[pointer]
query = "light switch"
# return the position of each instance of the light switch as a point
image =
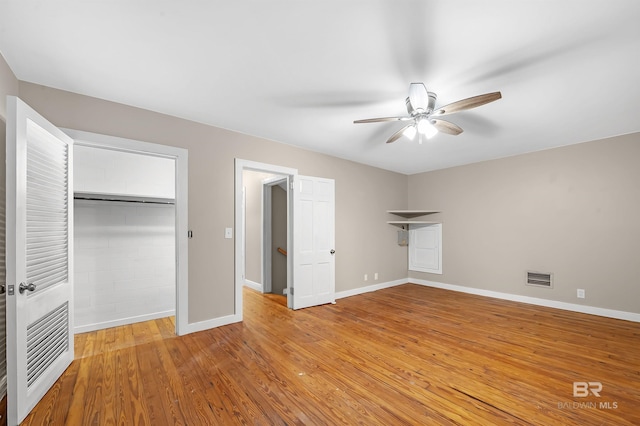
(228, 232)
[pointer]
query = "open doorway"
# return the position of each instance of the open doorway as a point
(124, 238)
(250, 261)
(265, 233)
(275, 193)
(147, 215)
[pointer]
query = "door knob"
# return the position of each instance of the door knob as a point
(2, 288)
(23, 287)
(332, 251)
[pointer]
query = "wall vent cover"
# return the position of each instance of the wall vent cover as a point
(540, 279)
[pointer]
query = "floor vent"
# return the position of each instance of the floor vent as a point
(539, 279)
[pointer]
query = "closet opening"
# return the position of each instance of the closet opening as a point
(130, 209)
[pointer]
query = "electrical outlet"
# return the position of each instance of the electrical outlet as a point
(581, 293)
(366, 277)
(375, 276)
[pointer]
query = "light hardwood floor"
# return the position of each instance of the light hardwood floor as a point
(403, 355)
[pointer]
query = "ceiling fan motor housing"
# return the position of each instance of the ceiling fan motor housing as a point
(430, 106)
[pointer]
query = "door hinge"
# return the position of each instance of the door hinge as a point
(292, 185)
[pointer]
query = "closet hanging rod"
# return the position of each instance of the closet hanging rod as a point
(122, 198)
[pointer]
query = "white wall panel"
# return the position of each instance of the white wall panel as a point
(425, 248)
(124, 263)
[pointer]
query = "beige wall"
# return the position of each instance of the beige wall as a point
(572, 211)
(8, 86)
(364, 242)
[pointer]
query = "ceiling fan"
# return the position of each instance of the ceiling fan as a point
(424, 116)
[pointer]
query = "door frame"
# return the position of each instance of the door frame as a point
(267, 231)
(180, 156)
(290, 174)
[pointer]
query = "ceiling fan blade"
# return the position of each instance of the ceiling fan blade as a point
(468, 103)
(418, 96)
(446, 127)
(381, 119)
(397, 135)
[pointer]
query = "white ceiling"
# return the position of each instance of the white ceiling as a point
(300, 71)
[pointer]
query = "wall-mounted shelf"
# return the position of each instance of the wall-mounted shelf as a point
(409, 214)
(412, 213)
(410, 222)
(403, 235)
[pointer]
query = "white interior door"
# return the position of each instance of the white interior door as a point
(314, 280)
(39, 248)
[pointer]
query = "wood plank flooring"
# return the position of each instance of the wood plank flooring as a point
(407, 355)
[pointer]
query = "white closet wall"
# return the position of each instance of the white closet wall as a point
(124, 251)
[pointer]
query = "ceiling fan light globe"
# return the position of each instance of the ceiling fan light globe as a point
(426, 128)
(410, 132)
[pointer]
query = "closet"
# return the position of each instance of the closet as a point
(124, 238)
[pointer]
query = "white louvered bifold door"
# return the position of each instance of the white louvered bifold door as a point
(39, 257)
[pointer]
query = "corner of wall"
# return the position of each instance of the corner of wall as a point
(8, 86)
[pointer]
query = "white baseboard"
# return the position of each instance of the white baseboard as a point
(122, 321)
(370, 288)
(593, 310)
(253, 285)
(212, 323)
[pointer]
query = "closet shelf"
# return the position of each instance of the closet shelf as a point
(102, 196)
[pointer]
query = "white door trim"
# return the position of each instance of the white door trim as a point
(240, 166)
(181, 157)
